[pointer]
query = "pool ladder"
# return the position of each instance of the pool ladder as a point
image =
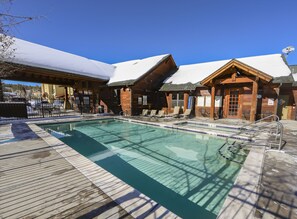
(231, 153)
(274, 129)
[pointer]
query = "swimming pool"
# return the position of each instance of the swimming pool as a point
(182, 171)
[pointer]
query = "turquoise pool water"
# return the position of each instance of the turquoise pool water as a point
(182, 171)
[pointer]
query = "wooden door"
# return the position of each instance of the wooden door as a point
(232, 103)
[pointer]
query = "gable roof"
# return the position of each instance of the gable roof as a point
(126, 73)
(35, 55)
(239, 65)
(272, 65)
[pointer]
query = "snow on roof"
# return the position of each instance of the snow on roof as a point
(132, 70)
(273, 65)
(294, 76)
(36, 55)
(195, 73)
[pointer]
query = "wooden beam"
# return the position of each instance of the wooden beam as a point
(233, 78)
(232, 81)
(212, 104)
(254, 101)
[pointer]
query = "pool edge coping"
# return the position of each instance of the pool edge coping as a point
(242, 199)
(94, 173)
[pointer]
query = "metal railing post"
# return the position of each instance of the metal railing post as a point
(42, 110)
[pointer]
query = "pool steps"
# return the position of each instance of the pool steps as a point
(175, 126)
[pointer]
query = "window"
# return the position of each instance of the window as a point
(117, 96)
(144, 100)
(177, 99)
(205, 101)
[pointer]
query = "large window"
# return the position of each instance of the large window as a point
(177, 99)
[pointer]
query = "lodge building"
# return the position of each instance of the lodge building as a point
(245, 88)
(242, 88)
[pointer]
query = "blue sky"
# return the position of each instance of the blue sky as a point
(192, 31)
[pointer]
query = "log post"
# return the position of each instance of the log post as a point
(212, 103)
(254, 100)
(186, 100)
(66, 100)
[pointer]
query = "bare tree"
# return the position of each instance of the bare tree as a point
(8, 21)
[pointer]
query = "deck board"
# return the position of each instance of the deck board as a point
(36, 181)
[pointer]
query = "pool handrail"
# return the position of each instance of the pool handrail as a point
(277, 122)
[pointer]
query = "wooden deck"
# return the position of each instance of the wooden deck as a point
(37, 182)
(40, 177)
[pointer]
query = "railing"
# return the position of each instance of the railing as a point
(277, 134)
(243, 129)
(13, 110)
(280, 130)
(21, 110)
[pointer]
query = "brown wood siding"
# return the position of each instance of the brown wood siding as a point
(287, 90)
(109, 101)
(268, 93)
(126, 95)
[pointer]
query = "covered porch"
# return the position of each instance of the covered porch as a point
(239, 91)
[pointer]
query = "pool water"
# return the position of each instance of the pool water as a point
(181, 171)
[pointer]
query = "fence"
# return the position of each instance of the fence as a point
(23, 110)
(13, 109)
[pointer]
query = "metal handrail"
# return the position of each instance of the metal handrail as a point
(272, 115)
(250, 124)
(242, 128)
(280, 130)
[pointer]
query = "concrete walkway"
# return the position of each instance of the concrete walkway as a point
(278, 190)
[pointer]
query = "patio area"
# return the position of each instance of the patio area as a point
(42, 177)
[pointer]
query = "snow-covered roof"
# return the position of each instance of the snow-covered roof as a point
(132, 70)
(295, 76)
(272, 65)
(195, 73)
(36, 55)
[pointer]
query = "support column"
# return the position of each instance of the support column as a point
(254, 101)
(1, 91)
(277, 90)
(169, 102)
(186, 100)
(66, 102)
(212, 103)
